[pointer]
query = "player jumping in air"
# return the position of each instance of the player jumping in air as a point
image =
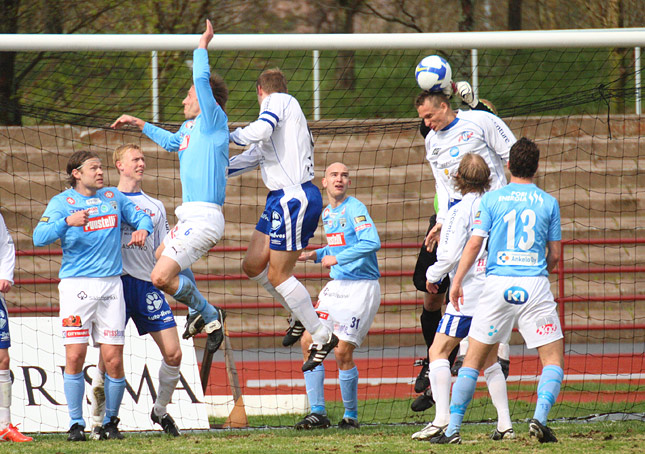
(202, 146)
(282, 145)
(349, 302)
(87, 219)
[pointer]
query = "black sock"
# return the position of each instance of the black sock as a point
(429, 323)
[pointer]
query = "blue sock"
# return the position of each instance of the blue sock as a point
(189, 274)
(548, 390)
(349, 390)
(114, 388)
(74, 385)
(314, 383)
(462, 393)
(188, 294)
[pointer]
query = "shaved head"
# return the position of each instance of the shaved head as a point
(336, 182)
(336, 167)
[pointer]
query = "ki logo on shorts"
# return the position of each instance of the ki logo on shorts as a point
(276, 220)
(516, 295)
(492, 331)
(153, 301)
(81, 295)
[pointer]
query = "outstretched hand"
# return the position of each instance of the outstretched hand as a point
(127, 120)
(207, 36)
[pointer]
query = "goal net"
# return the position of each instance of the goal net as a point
(579, 103)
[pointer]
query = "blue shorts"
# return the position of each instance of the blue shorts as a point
(5, 339)
(146, 305)
(291, 216)
(454, 325)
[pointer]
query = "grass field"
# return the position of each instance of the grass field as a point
(618, 437)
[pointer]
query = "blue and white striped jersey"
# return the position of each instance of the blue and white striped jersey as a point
(93, 250)
(201, 143)
(281, 144)
(519, 219)
(352, 238)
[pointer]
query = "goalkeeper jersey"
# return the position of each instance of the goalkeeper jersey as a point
(473, 131)
(139, 261)
(93, 250)
(352, 238)
(281, 144)
(201, 143)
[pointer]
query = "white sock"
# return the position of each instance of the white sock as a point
(463, 346)
(440, 381)
(263, 280)
(497, 389)
(168, 379)
(299, 301)
(97, 409)
(504, 351)
(5, 398)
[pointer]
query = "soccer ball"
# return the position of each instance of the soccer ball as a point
(433, 73)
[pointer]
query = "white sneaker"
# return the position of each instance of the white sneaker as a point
(428, 432)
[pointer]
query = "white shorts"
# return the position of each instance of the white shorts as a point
(526, 301)
(200, 226)
(92, 307)
(349, 308)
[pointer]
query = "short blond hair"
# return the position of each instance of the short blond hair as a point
(120, 151)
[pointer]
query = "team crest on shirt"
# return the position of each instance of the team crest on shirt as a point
(342, 222)
(71, 201)
(190, 124)
(109, 194)
(113, 204)
(466, 136)
(105, 208)
(276, 220)
(184, 143)
(326, 212)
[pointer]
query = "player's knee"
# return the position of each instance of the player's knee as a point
(344, 355)
(250, 268)
(4, 359)
(159, 279)
(433, 302)
(173, 358)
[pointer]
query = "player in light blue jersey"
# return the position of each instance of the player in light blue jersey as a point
(145, 305)
(522, 223)
(202, 146)
(281, 144)
(349, 302)
(87, 219)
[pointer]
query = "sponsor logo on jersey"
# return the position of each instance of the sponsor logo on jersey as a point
(93, 201)
(81, 295)
(71, 201)
(190, 124)
(92, 211)
(184, 143)
(362, 227)
(326, 213)
(359, 219)
(515, 196)
(501, 132)
(113, 204)
(105, 208)
(435, 152)
(478, 214)
(72, 320)
(109, 194)
(517, 258)
(516, 295)
(76, 333)
(480, 267)
(454, 151)
(323, 315)
(44, 219)
(465, 136)
(276, 220)
(336, 239)
(113, 332)
(536, 197)
(102, 222)
(546, 326)
(477, 222)
(342, 222)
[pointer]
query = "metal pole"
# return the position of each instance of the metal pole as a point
(155, 87)
(474, 63)
(637, 81)
(316, 76)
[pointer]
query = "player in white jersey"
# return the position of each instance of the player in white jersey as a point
(472, 180)
(451, 135)
(145, 304)
(349, 302)
(8, 432)
(522, 224)
(202, 146)
(282, 145)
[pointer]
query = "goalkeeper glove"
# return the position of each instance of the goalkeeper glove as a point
(466, 94)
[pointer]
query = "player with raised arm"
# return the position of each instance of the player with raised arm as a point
(472, 180)
(349, 302)
(87, 219)
(450, 135)
(202, 146)
(8, 432)
(522, 224)
(145, 304)
(282, 145)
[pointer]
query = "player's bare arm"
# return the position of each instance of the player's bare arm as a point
(128, 120)
(553, 255)
(432, 239)
(311, 255)
(207, 36)
(5, 285)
